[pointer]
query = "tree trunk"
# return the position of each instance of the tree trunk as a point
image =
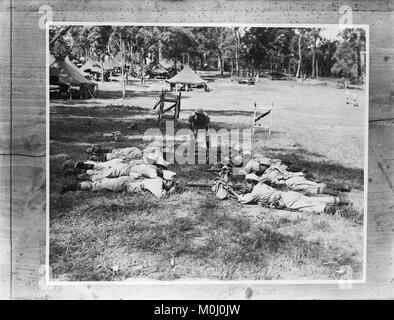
(142, 70)
(232, 68)
(313, 62)
(220, 60)
(236, 51)
(317, 68)
(357, 64)
(102, 69)
(122, 68)
(236, 61)
(299, 56)
(160, 51)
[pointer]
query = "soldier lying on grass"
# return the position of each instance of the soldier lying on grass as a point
(278, 176)
(133, 183)
(98, 153)
(101, 154)
(268, 196)
(149, 167)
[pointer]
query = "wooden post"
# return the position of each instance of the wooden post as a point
(272, 108)
(254, 117)
(161, 107)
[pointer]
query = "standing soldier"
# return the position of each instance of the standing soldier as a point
(199, 119)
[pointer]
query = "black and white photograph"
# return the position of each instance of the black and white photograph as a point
(203, 152)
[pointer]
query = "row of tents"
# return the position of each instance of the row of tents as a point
(68, 80)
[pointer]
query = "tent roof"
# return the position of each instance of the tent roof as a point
(110, 64)
(72, 64)
(68, 73)
(52, 59)
(91, 65)
(187, 75)
(158, 69)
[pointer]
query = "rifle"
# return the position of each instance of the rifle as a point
(207, 185)
(235, 171)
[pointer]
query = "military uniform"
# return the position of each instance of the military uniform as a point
(124, 166)
(132, 183)
(129, 184)
(126, 154)
(278, 175)
(267, 195)
(124, 169)
(198, 120)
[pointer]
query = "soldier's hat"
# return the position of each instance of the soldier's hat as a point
(200, 111)
(265, 161)
(168, 175)
(252, 176)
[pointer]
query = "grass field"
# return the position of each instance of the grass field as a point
(192, 235)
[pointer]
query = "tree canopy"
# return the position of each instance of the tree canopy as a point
(293, 51)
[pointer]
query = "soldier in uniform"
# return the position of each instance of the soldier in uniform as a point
(268, 196)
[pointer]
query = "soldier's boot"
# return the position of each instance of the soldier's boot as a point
(80, 166)
(83, 177)
(344, 201)
(330, 209)
(344, 187)
(330, 191)
(101, 150)
(70, 187)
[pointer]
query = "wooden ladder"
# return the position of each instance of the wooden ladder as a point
(170, 112)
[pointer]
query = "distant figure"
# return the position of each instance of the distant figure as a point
(351, 98)
(199, 119)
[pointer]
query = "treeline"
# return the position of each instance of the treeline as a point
(303, 52)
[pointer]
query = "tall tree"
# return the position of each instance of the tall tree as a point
(350, 55)
(313, 39)
(179, 44)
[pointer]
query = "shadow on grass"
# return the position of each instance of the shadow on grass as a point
(107, 111)
(131, 94)
(55, 102)
(321, 170)
(230, 113)
(91, 130)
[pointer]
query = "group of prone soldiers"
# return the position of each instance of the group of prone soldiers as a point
(271, 183)
(127, 169)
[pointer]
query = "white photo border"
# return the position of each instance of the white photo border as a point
(363, 280)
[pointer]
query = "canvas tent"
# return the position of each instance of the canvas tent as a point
(91, 66)
(67, 75)
(157, 70)
(188, 77)
(110, 64)
(84, 74)
(52, 59)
